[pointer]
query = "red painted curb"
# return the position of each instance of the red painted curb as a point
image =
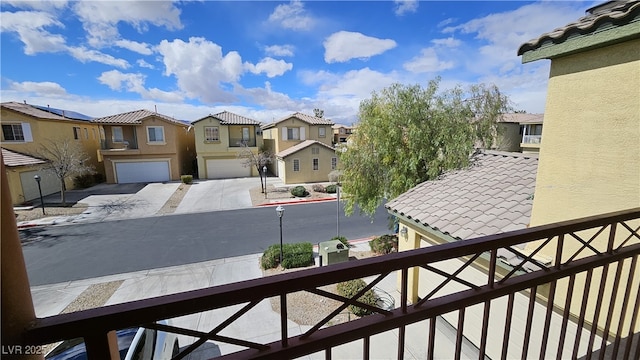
(296, 202)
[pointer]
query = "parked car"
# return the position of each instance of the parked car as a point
(133, 343)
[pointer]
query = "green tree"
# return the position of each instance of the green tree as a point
(66, 158)
(409, 134)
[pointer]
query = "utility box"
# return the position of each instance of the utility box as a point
(333, 252)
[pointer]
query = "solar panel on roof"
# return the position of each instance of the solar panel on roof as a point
(65, 113)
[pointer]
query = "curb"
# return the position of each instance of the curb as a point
(287, 202)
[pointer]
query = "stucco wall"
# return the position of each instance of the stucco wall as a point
(306, 173)
(590, 161)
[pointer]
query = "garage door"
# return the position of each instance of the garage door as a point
(48, 182)
(232, 168)
(143, 171)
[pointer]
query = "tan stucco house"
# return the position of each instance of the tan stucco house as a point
(303, 148)
(341, 133)
(219, 140)
(26, 128)
(520, 132)
(145, 146)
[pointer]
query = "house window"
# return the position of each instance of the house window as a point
(76, 133)
(116, 133)
(245, 134)
(315, 150)
(334, 163)
(296, 165)
(211, 133)
(95, 135)
(86, 134)
(293, 134)
(155, 134)
(341, 130)
(12, 132)
(316, 164)
(322, 131)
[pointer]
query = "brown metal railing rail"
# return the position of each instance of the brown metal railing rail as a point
(95, 324)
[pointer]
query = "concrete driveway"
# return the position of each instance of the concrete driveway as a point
(214, 195)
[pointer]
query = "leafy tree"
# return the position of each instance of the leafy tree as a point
(66, 159)
(410, 134)
(259, 160)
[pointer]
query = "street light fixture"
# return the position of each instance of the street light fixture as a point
(280, 211)
(264, 171)
(38, 179)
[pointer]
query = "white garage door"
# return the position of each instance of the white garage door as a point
(221, 169)
(48, 182)
(143, 171)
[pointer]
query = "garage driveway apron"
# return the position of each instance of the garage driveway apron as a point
(214, 195)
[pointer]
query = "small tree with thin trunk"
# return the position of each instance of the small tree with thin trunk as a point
(65, 159)
(259, 160)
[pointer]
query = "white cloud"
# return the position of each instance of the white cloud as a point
(144, 64)
(270, 66)
(343, 46)
(427, 62)
(45, 88)
(292, 16)
(279, 50)
(268, 98)
(30, 27)
(130, 82)
(450, 42)
(140, 48)
(200, 68)
(37, 5)
(446, 22)
(405, 6)
(100, 18)
(84, 55)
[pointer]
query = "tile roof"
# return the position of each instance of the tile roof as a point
(13, 158)
(493, 195)
(302, 145)
(135, 118)
(519, 118)
(33, 111)
(598, 17)
(229, 118)
(313, 120)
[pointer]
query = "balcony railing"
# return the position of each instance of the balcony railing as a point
(237, 142)
(531, 139)
(581, 303)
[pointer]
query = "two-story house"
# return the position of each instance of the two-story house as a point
(25, 129)
(341, 133)
(145, 146)
(219, 140)
(519, 132)
(303, 148)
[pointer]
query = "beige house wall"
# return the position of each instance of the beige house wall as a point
(311, 133)
(590, 161)
(306, 173)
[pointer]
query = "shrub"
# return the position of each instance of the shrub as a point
(350, 288)
(384, 244)
(299, 191)
(342, 240)
(187, 179)
(318, 188)
(84, 181)
(331, 189)
(293, 256)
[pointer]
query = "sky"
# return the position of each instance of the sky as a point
(266, 59)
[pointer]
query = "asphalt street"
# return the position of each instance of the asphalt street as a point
(57, 254)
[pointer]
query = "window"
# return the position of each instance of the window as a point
(315, 150)
(293, 134)
(296, 165)
(245, 134)
(322, 131)
(316, 164)
(334, 163)
(86, 134)
(211, 133)
(155, 134)
(341, 130)
(116, 133)
(76, 133)
(12, 132)
(95, 135)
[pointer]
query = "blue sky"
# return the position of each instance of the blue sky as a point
(265, 59)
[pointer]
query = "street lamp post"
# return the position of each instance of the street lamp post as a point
(264, 172)
(280, 211)
(37, 178)
(337, 210)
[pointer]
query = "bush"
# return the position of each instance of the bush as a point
(293, 256)
(318, 188)
(342, 240)
(331, 189)
(187, 179)
(299, 191)
(85, 181)
(350, 288)
(384, 244)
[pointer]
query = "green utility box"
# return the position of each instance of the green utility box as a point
(333, 252)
